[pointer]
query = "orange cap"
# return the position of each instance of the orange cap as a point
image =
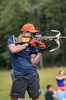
(29, 27)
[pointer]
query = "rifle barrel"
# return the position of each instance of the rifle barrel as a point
(63, 37)
(26, 39)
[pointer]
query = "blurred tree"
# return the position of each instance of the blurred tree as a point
(52, 16)
(44, 14)
(34, 18)
(13, 16)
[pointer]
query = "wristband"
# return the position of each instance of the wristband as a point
(41, 50)
(27, 44)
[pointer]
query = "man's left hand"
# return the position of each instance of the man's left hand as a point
(42, 46)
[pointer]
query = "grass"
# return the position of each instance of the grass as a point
(47, 76)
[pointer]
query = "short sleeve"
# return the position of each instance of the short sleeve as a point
(51, 93)
(34, 50)
(10, 41)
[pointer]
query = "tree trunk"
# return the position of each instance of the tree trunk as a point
(38, 21)
(41, 62)
(63, 59)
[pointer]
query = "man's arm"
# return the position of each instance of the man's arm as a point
(35, 59)
(14, 49)
(54, 94)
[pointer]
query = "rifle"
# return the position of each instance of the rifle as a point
(41, 38)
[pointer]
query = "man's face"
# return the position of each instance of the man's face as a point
(51, 88)
(28, 34)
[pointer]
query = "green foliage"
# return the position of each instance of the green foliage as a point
(44, 14)
(13, 16)
(52, 16)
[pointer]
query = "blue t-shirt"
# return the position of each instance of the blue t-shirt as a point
(60, 83)
(21, 63)
(61, 95)
(48, 95)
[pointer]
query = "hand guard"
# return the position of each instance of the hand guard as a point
(30, 44)
(41, 47)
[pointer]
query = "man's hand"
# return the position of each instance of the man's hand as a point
(54, 91)
(30, 44)
(41, 47)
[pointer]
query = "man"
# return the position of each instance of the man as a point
(50, 94)
(24, 63)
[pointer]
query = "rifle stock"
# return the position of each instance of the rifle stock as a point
(27, 39)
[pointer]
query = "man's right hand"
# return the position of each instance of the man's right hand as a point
(30, 44)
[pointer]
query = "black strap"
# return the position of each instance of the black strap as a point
(50, 44)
